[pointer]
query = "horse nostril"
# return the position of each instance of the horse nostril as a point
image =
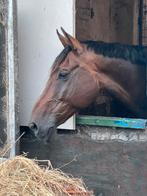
(33, 126)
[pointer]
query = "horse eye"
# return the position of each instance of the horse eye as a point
(63, 75)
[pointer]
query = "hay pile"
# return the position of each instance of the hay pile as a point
(24, 177)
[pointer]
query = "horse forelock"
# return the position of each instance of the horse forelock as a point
(60, 58)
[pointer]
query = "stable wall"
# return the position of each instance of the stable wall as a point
(112, 162)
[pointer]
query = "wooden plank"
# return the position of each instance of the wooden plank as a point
(110, 21)
(112, 122)
(3, 76)
(135, 22)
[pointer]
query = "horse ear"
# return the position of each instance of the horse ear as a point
(64, 40)
(74, 43)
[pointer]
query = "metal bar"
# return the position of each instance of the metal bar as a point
(11, 80)
(112, 122)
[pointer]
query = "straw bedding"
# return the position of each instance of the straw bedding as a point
(24, 177)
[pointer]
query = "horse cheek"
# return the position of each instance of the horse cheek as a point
(85, 96)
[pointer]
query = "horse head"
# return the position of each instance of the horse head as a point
(72, 85)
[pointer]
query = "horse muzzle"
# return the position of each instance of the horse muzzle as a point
(43, 134)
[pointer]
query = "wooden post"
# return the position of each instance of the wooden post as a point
(8, 77)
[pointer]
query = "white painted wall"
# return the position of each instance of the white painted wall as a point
(38, 46)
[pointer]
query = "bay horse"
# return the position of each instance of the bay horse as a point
(81, 73)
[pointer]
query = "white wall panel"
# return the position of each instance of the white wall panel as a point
(38, 46)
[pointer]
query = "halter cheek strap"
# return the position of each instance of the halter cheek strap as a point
(68, 103)
(64, 101)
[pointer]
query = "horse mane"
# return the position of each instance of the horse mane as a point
(133, 53)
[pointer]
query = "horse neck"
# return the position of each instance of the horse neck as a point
(112, 74)
(115, 70)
